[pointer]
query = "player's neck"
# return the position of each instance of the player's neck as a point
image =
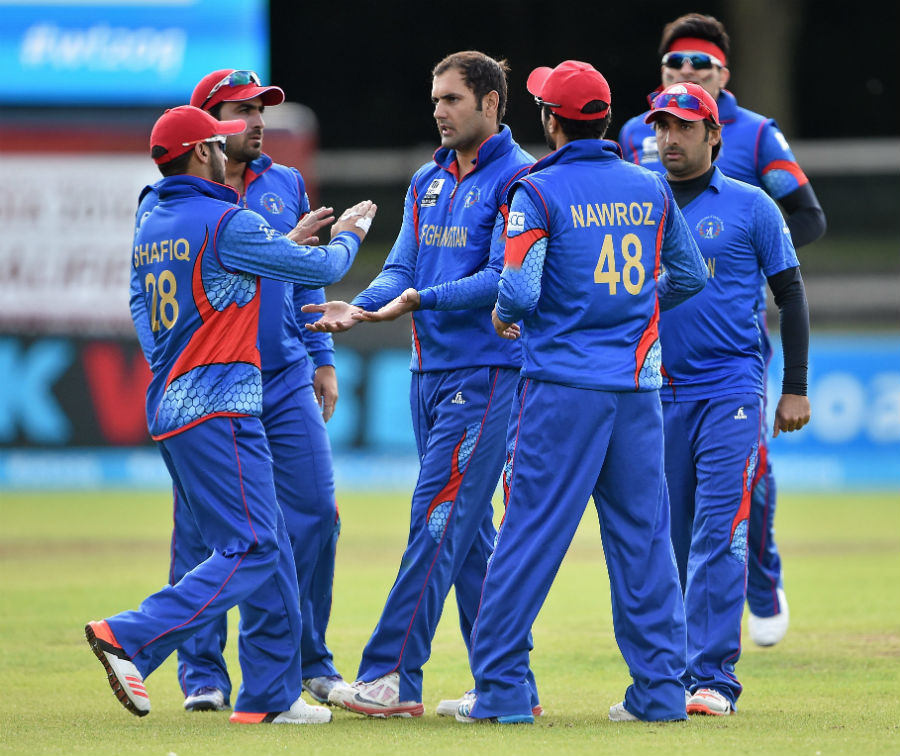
(234, 175)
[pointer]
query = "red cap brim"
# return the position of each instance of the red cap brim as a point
(227, 128)
(270, 95)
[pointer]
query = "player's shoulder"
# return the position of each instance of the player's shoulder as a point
(635, 123)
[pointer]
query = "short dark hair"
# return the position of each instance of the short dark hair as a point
(482, 74)
(593, 129)
(695, 25)
(176, 166)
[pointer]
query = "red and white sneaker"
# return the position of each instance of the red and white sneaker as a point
(124, 678)
(379, 698)
(299, 713)
(708, 701)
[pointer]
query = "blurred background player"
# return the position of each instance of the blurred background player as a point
(299, 393)
(712, 396)
(444, 269)
(197, 258)
(587, 418)
(695, 48)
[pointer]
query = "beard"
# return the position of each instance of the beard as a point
(217, 169)
(551, 142)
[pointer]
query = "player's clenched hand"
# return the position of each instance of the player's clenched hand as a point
(791, 414)
(504, 330)
(336, 316)
(325, 386)
(357, 219)
(408, 301)
(306, 231)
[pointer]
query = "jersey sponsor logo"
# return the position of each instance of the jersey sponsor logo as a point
(272, 203)
(516, 223)
(649, 150)
(458, 399)
(710, 227)
(434, 191)
(741, 415)
(612, 214)
(444, 236)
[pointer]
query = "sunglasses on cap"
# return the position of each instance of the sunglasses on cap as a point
(216, 139)
(235, 79)
(700, 61)
(541, 103)
(683, 101)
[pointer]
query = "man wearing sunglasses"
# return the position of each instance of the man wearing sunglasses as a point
(695, 48)
(712, 395)
(586, 238)
(197, 262)
(299, 390)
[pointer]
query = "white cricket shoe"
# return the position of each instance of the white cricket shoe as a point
(206, 699)
(619, 713)
(708, 701)
(378, 698)
(124, 678)
(320, 687)
(767, 631)
(448, 707)
(299, 713)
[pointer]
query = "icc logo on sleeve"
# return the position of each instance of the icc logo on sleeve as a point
(516, 223)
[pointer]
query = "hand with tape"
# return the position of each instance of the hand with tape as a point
(356, 219)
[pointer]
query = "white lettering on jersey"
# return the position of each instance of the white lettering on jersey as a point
(516, 223)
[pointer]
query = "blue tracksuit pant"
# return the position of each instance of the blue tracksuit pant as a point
(304, 485)
(712, 449)
(569, 444)
(460, 419)
(223, 473)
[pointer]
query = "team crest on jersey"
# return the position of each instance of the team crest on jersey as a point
(710, 227)
(434, 191)
(649, 150)
(472, 196)
(272, 202)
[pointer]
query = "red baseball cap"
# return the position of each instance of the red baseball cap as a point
(233, 85)
(567, 88)
(178, 129)
(687, 101)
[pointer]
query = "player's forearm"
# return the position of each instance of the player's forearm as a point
(471, 292)
(805, 217)
(793, 311)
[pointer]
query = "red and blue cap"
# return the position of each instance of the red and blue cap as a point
(233, 85)
(685, 100)
(567, 88)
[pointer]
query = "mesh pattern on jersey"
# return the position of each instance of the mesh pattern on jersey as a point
(738, 546)
(235, 388)
(468, 444)
(778, 182)
(752, 461)
(650, 376)
(222, 288)
(438, 520)
(533, 267)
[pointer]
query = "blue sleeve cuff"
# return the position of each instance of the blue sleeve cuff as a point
(427, 299)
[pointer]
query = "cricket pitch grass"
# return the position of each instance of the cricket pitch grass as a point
(831, 687)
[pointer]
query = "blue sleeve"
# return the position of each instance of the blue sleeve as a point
(399, 271)
(526, 249)
(301, 194)
(249, 243)
(137, 303)
(776, 167)
(771, 237)
(629, 152)
(319, 345)
(685, 270)
(477, 290)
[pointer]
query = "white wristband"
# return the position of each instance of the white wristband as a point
(364, 224)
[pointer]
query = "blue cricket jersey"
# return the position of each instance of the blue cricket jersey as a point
(713, 344)
(196, 264)
(587, 234)
(450, 248)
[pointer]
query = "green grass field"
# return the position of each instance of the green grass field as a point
(831, 687)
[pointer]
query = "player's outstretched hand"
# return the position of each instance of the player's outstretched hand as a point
(307, 229)
(407, 302)
(504, 330)
(357, 219)
(336, 316)
(791, 414)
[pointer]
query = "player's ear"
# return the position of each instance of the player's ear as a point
(490, 103)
